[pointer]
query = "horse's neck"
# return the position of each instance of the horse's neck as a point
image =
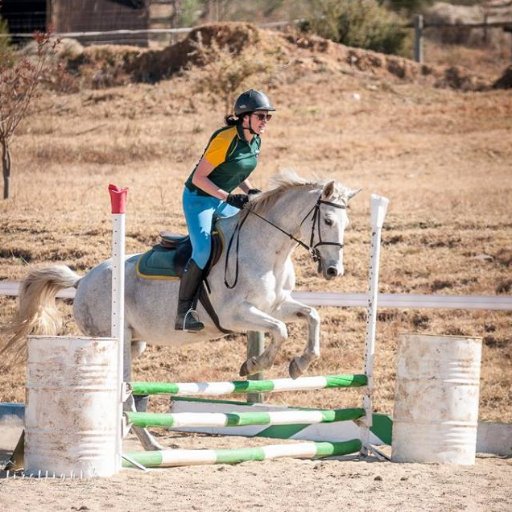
(291, 210)
(265, 240)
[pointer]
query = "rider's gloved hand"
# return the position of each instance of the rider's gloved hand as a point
(252, 191)
(237, 200)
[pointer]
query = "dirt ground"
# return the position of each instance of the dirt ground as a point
(275, 486)
(441, 153)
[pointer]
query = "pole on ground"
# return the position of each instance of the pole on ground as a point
(118, 203)
(379, 207)
(255, 347)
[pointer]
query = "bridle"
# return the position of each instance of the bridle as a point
(312, 249)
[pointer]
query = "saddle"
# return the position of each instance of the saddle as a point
(167, 260)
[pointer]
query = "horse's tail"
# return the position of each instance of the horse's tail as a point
(37, 312)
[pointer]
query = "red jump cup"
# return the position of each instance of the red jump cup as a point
(118, 198)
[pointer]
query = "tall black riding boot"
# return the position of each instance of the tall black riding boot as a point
(186, 317)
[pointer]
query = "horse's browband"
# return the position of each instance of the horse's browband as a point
(336, 205)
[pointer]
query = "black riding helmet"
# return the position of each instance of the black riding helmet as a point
(251, 101)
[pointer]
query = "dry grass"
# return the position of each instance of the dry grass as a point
(442, 157)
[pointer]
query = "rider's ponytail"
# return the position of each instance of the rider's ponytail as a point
(232, 120)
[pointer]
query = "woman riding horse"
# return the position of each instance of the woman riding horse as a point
(229, 158)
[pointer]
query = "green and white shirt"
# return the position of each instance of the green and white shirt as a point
(233, 157)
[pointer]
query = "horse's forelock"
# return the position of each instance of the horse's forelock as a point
(341, 194)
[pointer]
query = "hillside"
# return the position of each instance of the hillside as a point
(289, 53)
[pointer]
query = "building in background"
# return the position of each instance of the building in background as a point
(78, 16)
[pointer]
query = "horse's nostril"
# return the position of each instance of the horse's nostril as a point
(331, 271)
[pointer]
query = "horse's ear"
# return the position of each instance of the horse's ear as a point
(328, 190)
(353, 193)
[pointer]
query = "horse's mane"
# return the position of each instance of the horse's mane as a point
(281, 183)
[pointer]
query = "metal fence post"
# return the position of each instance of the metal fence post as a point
(418, 38)
(255, 347)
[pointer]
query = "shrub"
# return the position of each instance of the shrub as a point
(223, 72)
(358, 23)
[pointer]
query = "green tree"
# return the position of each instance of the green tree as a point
(358, 23)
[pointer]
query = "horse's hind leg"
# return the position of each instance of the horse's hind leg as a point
(256, 320)
(141, 401)
(132, 403)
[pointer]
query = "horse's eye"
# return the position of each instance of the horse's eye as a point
(328, 222)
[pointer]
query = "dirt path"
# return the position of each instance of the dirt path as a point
(281, 485)
(278, 485)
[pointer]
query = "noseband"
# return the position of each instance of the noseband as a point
(315, 253)
(312, 249)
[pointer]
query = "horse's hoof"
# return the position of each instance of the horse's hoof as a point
(248, 367)
(294, 369)
(243, 370)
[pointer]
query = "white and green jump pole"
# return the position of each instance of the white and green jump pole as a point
(179, 457)
(237, 419)
(246, 386)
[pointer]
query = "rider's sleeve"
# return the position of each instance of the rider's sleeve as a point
(218, 147)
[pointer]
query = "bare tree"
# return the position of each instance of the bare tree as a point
(177, 13)
(19, 79)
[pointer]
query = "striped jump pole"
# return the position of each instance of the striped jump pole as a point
(179, 457)
(243, 386)
(197, 419)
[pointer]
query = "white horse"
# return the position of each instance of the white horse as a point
(250, 290)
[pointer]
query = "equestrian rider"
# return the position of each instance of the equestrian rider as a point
(229, 158)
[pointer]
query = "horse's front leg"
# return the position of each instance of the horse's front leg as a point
(256, 320)
(290, 311)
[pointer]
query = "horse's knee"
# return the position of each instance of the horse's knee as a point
(314, 315)
(279, 332)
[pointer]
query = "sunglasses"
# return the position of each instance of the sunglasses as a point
(263, 117)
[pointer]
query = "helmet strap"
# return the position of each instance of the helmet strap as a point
(250, 125)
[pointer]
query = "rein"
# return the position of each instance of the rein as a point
(312, 249)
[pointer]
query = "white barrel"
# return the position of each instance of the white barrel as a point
(71, 417)
(435, 415)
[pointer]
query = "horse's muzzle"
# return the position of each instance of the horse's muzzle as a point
(333, 271)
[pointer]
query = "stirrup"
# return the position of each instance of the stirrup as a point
(193, 315)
